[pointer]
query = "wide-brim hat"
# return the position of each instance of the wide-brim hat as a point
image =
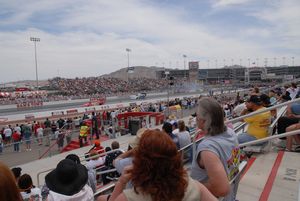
(135, 142)
(68, 178)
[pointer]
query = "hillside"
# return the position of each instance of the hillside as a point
(139, 71)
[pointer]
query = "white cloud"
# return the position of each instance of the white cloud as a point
(284, 18)
(224, 3)
(93, 36)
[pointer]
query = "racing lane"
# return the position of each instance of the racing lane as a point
(14, 111)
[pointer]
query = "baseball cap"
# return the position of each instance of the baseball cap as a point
(254, 99)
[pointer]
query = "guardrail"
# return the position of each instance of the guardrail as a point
(262, 111)
(259, 141)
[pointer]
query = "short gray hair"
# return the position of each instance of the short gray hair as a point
(212, 112)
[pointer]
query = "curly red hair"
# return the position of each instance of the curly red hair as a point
(158, 169)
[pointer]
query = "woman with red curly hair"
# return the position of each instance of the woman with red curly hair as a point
(157, 174)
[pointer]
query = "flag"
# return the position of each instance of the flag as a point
(128, 50)
(253, 63)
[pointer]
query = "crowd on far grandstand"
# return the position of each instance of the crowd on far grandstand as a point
(107, 86)
(83, 88)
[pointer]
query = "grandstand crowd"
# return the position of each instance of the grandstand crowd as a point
(153, 168)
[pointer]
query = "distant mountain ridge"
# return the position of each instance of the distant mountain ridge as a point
(138, 71)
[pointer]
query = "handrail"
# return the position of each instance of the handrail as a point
(286, 134)
(39, 173)
(262, 111)
(105, 188)
(278, 116)
(106, 171)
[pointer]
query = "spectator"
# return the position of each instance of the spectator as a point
(291, 118)
(293, 90)
(7, 133)
(97, 147)
(183, 135)
(27, 136)
(47, 133)
(83, 134)
(165, 180)
(47, 123)
(28, 190)
(292, 138)
(110, 157)
(60, 140)
(273, 98)
(91, 172)
(16, 141)
(216, 159)
(125, 159)
(8, 187)
(17, 173)
(257, 124)
(68, 181)
(40, 133)
(95, 161)
(168, 128)
(95, 129)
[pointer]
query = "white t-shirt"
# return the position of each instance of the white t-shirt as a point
(293, 92)
(7, 132)
(184, 138)
(91, 164)
(239, 109)
(18, 129)
(40, 131)
(34, 195)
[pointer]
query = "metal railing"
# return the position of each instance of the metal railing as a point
(263, 110)
(259, 141)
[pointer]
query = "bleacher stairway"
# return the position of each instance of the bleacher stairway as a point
(74, 144)
(271, 176)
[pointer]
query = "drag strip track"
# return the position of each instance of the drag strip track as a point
(78, 104)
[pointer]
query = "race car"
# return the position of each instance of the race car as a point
(139, 96)
(94, 102)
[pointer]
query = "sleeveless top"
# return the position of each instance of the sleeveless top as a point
(191, 194)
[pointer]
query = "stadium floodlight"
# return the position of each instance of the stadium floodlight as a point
(35, 40)
(283, 60)
(128, 50)
(184, 61)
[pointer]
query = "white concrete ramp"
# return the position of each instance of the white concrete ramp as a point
(286, 184)
(272, 176)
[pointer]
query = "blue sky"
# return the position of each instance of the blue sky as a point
(88, 37)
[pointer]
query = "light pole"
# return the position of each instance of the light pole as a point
(128, 50)
(36, 70)
(266, 62)
(274, 61)
(167, 73)
(293, 61)
(283, 60)
(184, 61)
